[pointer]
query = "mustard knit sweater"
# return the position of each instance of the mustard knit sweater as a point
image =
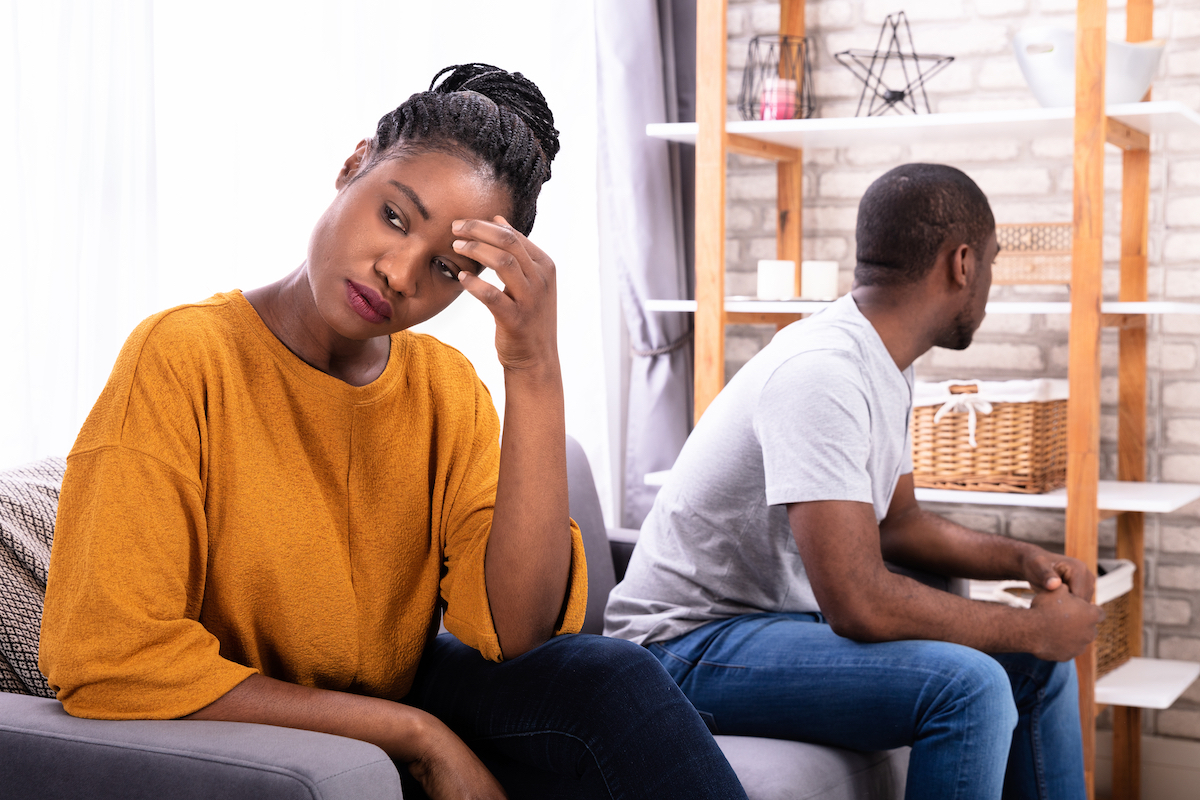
(228, 509)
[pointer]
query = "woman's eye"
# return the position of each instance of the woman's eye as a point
(393, 218)
(445, 269)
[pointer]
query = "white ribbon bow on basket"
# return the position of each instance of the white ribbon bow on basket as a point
(964, 398)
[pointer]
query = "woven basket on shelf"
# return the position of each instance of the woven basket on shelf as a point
(1020, 447)
(1112, 635)
(1033, 253)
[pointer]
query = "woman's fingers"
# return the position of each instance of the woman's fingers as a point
(481, 290)
(497, 245)
(507, 265)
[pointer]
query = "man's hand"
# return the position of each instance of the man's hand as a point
(1069, 623)
(1046, 571)
(843, 549)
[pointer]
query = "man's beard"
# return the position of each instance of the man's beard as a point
(958, 334)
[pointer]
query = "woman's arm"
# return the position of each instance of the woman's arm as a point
(528, 560)
(443, 764)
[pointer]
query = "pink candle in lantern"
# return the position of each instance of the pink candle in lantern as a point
(778, 98)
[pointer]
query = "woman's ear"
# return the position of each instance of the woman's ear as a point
(353, 165)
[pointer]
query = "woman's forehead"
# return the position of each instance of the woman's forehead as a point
(442, 184)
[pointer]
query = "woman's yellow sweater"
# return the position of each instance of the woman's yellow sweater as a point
(228, 509)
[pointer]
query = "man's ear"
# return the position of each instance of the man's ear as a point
(353, 165)
(963, 265)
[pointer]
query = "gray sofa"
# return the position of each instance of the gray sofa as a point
(47, 754)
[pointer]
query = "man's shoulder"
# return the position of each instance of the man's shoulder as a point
(827, 357)
(838, 329)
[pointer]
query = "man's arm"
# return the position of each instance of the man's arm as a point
(913, 537)
(840, 544)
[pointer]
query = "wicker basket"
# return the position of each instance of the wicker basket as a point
(1020, 447)
(1033, 253)
(1113, 594)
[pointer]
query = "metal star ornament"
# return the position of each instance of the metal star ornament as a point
(870, 66)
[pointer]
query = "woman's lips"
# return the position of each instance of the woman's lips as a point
(367, 303)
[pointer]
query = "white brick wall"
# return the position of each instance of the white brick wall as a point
(1027, 181)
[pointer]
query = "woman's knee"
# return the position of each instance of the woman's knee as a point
(600, 660)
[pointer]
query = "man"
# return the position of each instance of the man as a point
(760, 579)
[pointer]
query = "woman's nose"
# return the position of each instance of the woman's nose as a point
(401, 276)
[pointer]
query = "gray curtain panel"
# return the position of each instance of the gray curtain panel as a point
(642, 222)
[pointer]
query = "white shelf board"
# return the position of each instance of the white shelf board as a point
(744, 304)
(670, 305)
(1155, 117)
(1150, 498)
(753, 306)
(1146, 683)
(656, 478)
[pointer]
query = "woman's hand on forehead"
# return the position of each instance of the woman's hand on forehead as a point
(526, 308)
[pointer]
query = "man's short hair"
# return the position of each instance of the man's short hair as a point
(909, 213)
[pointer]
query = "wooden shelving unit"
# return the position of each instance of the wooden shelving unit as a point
(1091, 124)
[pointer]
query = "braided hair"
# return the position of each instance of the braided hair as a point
(487, 116)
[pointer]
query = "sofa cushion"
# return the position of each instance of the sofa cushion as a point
(775, 769)
(28, 505)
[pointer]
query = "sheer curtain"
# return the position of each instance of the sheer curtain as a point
(157, 152)
(77, 208)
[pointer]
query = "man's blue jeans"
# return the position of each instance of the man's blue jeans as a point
(980, 726)
(579, 717)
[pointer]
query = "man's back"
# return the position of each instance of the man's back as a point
(820, 414)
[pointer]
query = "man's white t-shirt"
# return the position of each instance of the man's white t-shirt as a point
(821, 413)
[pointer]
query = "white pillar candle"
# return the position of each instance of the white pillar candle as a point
(819, 280)
(776, 280)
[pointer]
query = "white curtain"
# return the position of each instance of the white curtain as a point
(157, 152)
(77, 208)
(642, 241)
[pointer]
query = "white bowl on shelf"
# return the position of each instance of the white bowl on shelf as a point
(1047, 59)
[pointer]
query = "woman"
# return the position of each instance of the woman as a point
(278, 492)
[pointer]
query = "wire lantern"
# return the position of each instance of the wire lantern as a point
(777, 83)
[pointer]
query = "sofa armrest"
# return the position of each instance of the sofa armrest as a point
(621, 542)
(47, 754)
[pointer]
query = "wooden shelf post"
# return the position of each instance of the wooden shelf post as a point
(790, 174)
(1131, 426)
(1087, 263)
(710, 202)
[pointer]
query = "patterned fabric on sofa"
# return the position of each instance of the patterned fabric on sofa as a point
(28, 503)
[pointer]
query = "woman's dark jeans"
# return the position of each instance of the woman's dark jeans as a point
(579, 717)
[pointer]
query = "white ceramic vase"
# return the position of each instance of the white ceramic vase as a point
(1047, 60)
